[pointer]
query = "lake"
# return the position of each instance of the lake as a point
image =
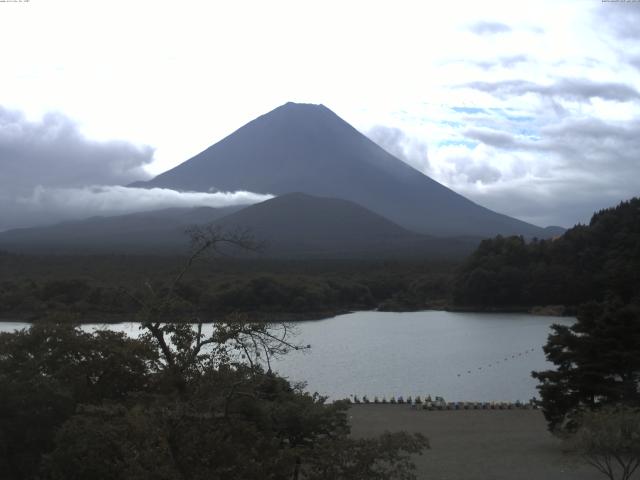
(460, 356)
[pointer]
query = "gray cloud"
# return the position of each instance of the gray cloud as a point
(633, 60)
(578, 89)
(546, 170)
(577, 166)
(407, 148)
(492, 137)
(563, 203)
(620, 18)
(620, 22)
(50, 172)
(53, 152)
(473, 172)
(503, 62)
(581, 142)
(489, 28)
(606, 149)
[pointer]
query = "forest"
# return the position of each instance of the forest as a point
(588, 263)
(92, 287)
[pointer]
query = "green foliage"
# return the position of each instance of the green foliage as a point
(81, 405)
(586, 263)
(294, 294)
(597, 364)
(257, 435)
(47, 371)
(388, 456)
(90, 288)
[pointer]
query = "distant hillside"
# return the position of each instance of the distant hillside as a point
(292, 226)
(300, 225)
(588, 262)
(309, 149)
(159, 231)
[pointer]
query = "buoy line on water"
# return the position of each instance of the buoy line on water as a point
(513, 356)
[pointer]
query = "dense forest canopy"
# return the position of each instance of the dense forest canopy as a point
(597, 364)
(37, 287)
(588, 262)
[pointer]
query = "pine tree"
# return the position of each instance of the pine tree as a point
(597, 363)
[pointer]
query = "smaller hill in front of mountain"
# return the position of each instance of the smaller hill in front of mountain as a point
(159, 231)
(301, 225)
(293, 225)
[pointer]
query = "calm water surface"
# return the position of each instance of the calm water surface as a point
(460, 356)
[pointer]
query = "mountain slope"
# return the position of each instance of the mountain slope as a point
(308, 148)
(300, 225)
(293, 226)
(152, 232)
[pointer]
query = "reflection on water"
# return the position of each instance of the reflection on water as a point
(460, 356)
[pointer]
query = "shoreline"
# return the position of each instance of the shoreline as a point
(293, 317)
(268, 317)
(109, 318)
(543, 310)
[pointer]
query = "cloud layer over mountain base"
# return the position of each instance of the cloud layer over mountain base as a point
(46, 205)
(51, 172)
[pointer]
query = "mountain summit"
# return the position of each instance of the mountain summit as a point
(308, 148)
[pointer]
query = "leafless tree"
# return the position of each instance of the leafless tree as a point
(609, 440)
(185, 348)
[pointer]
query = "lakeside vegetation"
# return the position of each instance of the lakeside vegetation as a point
(91, 287)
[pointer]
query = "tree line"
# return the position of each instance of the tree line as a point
(216, 288)
(587, 263)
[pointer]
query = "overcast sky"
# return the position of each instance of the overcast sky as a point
(529, 108)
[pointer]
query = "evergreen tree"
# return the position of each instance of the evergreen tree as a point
(597, 363)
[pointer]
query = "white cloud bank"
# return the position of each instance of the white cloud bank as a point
(50, 204)
(111, 200)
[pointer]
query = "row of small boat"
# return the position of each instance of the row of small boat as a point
(438, 403)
